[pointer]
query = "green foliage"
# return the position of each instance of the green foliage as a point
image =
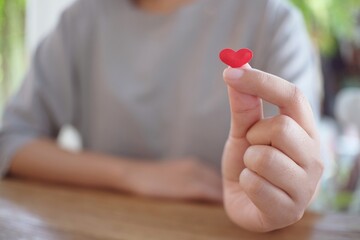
(330, 21)
(342, 200)
(12, 49)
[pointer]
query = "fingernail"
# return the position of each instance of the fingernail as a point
(233, 73)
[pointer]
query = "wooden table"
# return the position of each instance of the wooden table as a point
(40, 211)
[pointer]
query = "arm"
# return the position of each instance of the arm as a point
(183, 178)
(48, 99)
(43, 160)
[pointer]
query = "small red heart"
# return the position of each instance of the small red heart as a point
(236, 59)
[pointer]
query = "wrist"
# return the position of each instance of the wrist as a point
(137, 176)
(118, 174)
(110, 172)
(126, 174)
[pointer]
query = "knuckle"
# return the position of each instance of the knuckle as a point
(319, 166)
(296, 214)
(269, 156)
(281, 126)
(316, 166)
(306, 192)
(253, 185)
(263, 159)
(256, 187)
(311, 191)
(297, 96)
(251, 157)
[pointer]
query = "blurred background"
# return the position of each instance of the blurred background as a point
(334, 27)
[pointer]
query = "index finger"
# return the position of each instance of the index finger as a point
(287, 96)
(246, 109)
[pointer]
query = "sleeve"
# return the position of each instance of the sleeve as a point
(289, 52)
(45, 99)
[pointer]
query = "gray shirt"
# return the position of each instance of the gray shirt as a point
(146, 85)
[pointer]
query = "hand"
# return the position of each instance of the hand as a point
(186, 179)
(271, 167)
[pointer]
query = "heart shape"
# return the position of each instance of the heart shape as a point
(236, 59)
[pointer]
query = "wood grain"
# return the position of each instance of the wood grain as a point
(31, 210)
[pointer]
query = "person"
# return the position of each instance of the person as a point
(141, 81)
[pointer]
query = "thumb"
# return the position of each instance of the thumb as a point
(246, 110)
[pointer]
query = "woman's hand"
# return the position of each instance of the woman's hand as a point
(186, 179)
(271, 167)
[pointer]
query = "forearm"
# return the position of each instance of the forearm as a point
(43, 160)
(183, 178)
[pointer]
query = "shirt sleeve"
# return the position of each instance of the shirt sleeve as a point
(45, 99)
(289, 52)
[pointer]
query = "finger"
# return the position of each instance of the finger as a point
(283, 133)
(277, 168)
(285, 95)
(271, 201)
(246, 110)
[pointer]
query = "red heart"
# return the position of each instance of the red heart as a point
(236, 59)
